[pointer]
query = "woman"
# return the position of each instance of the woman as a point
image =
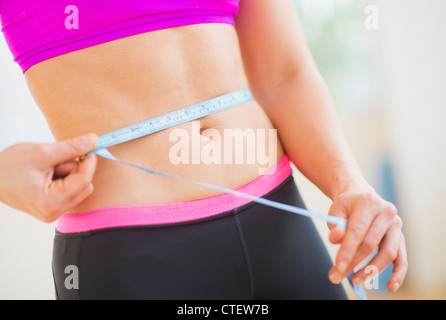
(96, 68)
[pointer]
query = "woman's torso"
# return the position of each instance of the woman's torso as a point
(126, 81)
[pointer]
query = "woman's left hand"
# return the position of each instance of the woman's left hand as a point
(371, 222)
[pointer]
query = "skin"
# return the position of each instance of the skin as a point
(106, 87)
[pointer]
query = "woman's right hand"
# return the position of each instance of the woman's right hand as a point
(45, 180)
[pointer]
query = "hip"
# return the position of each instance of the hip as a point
(249, 251)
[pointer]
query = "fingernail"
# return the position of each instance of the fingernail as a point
(335, 277)
(396, 285)
(89, 140)
(342, 266)
(357, 281)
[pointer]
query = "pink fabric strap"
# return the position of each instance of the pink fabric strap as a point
(39, 30)
(152, 214)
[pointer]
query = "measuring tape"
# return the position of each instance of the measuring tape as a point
(174, 118)
(187, 114)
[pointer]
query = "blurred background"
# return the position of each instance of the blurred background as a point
(384, 62)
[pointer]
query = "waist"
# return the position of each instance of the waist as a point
(116, 84)
(228, 148)
(176, 212)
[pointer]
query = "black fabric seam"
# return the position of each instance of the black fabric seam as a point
(245, 253)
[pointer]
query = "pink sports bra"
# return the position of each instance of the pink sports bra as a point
(39, 30)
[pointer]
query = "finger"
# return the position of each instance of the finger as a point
(67, 188)
(387, 253)
(69, 149)
(77, 198)
(62, 170)
(400, 267)
(62, 205)
(375, 234)
(84, 172)
(358, 225)
(336, 231)
(336, 235)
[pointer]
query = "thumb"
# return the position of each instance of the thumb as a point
(337, 232)
(70, 149)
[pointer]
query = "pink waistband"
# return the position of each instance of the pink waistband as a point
(152, 214)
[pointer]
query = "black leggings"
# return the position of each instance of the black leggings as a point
(250, 252)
